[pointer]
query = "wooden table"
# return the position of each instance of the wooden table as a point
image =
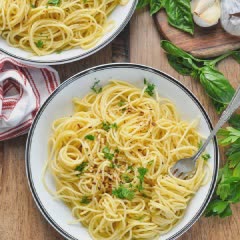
(138, 43)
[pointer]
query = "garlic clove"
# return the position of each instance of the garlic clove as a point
(200, 6)
(209, 17)
(230, 17)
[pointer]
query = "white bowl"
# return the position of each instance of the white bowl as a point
(121, 16)
(59, 104)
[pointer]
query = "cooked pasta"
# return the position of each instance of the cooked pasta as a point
(111, 162)
(47, 26)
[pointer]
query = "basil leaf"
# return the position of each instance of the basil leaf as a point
(236, 56)
(216, 85)
(179, 14)
(181, 65)
(155, 6)
(174, 50)
(235, 121)
(142, 3)
(219, 106)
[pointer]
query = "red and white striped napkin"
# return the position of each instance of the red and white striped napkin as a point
(23, 89)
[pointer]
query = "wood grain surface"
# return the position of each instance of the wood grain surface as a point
(206, 42)
(139, 43)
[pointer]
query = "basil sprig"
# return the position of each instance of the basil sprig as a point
(221, 92)
(214, 83)
(178, 12)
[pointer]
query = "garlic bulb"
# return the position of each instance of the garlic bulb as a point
(230, 17)
(206, 13)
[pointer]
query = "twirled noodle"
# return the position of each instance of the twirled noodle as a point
(147, 133)
(44, 26)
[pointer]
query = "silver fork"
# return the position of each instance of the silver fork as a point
(184, 168)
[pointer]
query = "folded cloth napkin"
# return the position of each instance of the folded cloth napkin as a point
(23, 89)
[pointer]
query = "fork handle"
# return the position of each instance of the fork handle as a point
(232, 107)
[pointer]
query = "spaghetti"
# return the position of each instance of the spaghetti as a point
(111, 160)
(47, 26)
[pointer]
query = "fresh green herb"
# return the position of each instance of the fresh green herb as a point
(80, 168)
(58, 51)
(96, 88)
(114, 125)
(54, 2)
(126, 178)
(130, 168)
(228, 136)
(39, 44)
(107, 126)
(121, 103)
(85, 200)
(85, 1)
(112, 164)
(142, 172)
(33, 6)
(150, 87)
(107, 154)
(206, 156)
(215, 84)
(150, 163)
(155, 6)
(123, 193)
(90, 137)
(235, 121)
(236, 56)
(145, 195)
(140, 218)
(200, 144)
(221, 92)
(178, 12)
(116, 150)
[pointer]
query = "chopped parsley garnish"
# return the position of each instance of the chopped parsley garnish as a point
(116, 150)
(58, 51)
(39, 44)
(150, 163)
(130, 168)
(150, 87)
(126, 178)
(33, 6)
(123, 193)
(114, 125)
(206, 156)
(96, 88)
(81, 167)
(107, 126)
(107, 154)
(112, 164)
(85, 200)
(200, 144)
(121, 103)
(90, 137)
(142, 172)
(54, 2)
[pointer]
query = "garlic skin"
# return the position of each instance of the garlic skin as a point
(230, 17)
(206, 13)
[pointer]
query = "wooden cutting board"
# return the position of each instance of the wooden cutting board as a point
(206, 42)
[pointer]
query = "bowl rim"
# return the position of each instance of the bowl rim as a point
(87, 54)
(136, 67)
